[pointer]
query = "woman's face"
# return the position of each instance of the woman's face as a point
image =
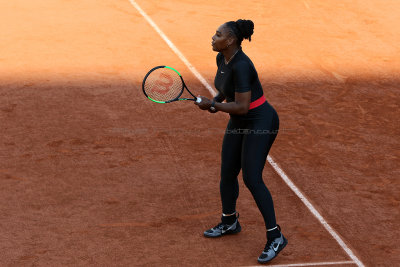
(221, 39)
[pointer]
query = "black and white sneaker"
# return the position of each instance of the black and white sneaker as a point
(224, 229)
(272, 248)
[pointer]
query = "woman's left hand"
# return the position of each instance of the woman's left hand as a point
(205, 103)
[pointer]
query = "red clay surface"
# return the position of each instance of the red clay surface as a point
(91, 173)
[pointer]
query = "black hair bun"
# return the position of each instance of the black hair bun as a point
(246, 28)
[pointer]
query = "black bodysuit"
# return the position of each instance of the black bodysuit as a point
(248, 138)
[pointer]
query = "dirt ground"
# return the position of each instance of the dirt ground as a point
(92, 173)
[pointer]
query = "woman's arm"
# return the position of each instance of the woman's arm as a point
(219, 97)
(239, 107)
(242, 78)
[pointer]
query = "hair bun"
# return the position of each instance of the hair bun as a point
(246, 28)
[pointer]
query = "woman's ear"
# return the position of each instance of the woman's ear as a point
(231, 40)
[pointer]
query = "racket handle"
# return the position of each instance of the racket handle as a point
(198, 100)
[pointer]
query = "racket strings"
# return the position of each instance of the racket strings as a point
(163, 84)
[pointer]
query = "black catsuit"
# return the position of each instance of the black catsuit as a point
(248, 138)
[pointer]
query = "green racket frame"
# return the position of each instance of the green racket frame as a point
(198, 100)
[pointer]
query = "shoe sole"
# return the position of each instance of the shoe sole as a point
(276, 254)
(236, 231)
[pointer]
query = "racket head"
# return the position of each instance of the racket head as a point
(163, 84)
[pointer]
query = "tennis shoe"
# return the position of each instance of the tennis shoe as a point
(272, 248)
(224, 229)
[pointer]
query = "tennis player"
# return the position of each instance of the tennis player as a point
(250, 133)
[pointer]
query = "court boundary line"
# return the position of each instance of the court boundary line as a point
(275, 165)
(173, 47)
(313, 210)
(306, 264)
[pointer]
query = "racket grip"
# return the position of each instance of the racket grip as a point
(198, 99)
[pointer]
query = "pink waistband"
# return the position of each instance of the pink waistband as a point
(258, 102)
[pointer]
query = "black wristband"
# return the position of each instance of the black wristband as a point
(212, 108)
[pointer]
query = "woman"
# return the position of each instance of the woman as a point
(251, 130)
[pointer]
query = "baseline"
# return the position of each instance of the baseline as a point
(308, 264)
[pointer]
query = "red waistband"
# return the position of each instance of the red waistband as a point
(258, 102)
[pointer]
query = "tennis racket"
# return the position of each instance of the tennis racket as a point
(164, 84)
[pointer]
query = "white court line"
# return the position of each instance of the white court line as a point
(281, 173)
(308, 204)
(308, 264)
(306, 4)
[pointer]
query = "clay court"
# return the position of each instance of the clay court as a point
(94, 174)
